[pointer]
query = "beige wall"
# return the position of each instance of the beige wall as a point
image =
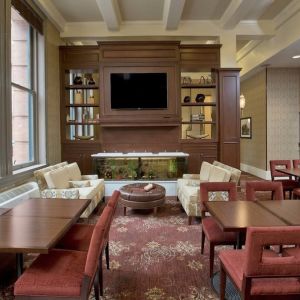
(283, 113)
(253, 151)
(52, 93)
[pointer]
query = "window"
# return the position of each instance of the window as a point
(22, 92)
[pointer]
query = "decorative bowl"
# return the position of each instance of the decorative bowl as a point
(200, 98)
(83, 137)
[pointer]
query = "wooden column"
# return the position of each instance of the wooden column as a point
(229, 116)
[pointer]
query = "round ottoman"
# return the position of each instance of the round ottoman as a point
(134, 196)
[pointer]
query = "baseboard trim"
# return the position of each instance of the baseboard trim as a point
(256, 171)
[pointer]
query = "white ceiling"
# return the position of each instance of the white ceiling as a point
(252, 32)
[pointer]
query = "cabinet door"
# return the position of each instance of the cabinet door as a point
(199, 152)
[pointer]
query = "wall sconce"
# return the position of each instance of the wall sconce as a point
(242, 103)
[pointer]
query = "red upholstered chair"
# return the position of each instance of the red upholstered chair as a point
(264, 186)
(63, 274)
(210, 228)
(79, 236)
(288, 184)
(296, 163)
(256, 275)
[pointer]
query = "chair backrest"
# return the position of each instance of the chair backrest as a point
(106, 220)
(97, 242)
(113, 200)
(257, 238)
(206, 187)
(264, 186)
(277, 164)
(296, 163)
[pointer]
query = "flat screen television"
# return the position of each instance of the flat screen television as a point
(138, 90)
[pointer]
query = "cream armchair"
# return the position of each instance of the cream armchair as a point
(64, 180)
(188, 187)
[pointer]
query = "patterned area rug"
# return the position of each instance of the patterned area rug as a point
(154, 257)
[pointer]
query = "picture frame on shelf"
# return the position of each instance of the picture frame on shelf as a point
(246, 128)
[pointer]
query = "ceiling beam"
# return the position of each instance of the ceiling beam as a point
(247, 49)
(52, 13)
(110, 12)
(172, 13)
(286, 35)
(150, 29)
(235, 12)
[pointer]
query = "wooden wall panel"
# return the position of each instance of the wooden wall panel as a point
(139, 51)
(229, 116)
(199, 152)
(129, 139)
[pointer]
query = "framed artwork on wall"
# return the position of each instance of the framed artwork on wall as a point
(246, 128)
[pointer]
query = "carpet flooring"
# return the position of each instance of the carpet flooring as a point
(153, 257)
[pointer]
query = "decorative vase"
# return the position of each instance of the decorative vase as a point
(200, 98)
(77, 80)
(187, 99)
(78, 98)
(91, 100)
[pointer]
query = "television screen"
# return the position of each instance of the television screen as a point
(138, 90)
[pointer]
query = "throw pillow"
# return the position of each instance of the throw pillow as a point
(80, 184)
(57, 179)
(74, 172)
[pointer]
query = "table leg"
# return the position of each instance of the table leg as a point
(124, 210)
(19, 262)
(239, 240)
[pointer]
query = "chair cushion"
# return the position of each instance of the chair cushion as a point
(215, 234)
(234, 261)
(77, 238)
(57, 179)
(288, 184)
(205, 171)
(58, 273)
(74, 171)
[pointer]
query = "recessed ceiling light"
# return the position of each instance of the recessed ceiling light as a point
(296, 56)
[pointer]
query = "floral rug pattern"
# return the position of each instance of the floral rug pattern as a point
(152, 257)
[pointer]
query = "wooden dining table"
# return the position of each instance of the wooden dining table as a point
(36, 225)
(239, 215)
(286, 210)
(291, 172)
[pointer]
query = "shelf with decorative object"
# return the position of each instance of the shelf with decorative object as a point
(198, 106)
(82, 98)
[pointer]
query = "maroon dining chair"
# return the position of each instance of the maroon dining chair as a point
(63, 274)
(275, 187)
(288, 184)
(210, 229)
(79, 236)
(259, 276)
(296, 163)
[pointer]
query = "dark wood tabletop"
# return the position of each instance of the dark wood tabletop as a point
(292, 171)
(287, 210)
(50, 208)
(238, 215)
(29, 235)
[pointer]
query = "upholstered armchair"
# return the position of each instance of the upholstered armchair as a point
(255, 274)
(288, 184)
(188, 187)
(210, 229)
(64, 180)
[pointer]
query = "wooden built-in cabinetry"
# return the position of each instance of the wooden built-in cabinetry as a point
(207, 129)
